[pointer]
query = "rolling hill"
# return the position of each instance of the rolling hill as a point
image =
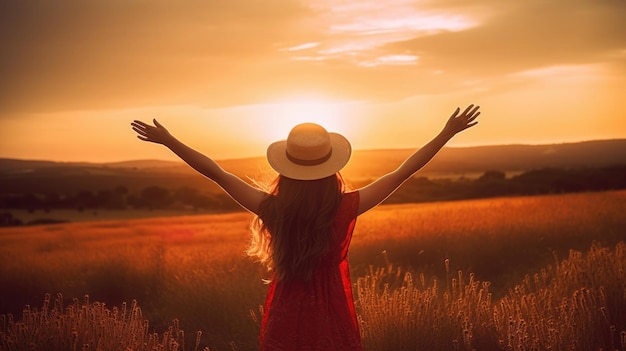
(43, 176)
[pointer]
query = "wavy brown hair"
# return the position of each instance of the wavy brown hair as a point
(293, 228)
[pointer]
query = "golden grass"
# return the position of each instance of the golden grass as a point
(194, 268)
(87, 326)
(500, 240)
(181, 267)
(576, 304)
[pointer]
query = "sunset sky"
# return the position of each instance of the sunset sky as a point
(229, 77)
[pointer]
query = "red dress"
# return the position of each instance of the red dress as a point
(318, 315)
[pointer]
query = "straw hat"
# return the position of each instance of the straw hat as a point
(309, 153)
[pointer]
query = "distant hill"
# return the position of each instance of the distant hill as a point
(506, 158)
(41, 176)
(9, 165)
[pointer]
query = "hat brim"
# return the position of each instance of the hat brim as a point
(341, 151)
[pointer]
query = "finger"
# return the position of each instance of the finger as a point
(140, 130)
(474, 110)
(456, 112)
(468, 109)
(473, 117)
(140, 123)
(156, 123)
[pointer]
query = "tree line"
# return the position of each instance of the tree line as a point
(495, 183)
(151, 197)
(418, 189)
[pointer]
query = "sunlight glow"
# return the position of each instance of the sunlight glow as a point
(284, 115)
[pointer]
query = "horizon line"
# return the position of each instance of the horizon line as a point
(355, 150)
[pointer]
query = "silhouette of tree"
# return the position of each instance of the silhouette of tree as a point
(156, 197)
(7, 220)
(135, 201)
(109, 199)
(85, 199)
(185, 195)
(492, 176)
(121, 190)
(31, 202)
(50, 201)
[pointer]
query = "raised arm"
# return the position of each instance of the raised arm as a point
(243, 193)
(376, 192)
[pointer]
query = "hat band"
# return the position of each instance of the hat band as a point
(314, 162)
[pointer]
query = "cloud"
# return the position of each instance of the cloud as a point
(525, 35)
(95, 54)
(99, 54)
(353, 31)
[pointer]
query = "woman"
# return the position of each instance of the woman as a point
(303, 227)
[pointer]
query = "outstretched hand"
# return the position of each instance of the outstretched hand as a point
(156, 134)
(458, 123)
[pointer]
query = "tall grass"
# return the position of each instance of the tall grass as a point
(499, 240)
(576, 304)
(579, 303)
(87, 326)
(190, 268)
(194, 268)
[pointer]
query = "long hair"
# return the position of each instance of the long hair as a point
(294, 225)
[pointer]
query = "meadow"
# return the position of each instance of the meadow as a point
(515, 273)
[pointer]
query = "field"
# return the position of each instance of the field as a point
(486, 274)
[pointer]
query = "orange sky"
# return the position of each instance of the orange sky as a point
(228, 77)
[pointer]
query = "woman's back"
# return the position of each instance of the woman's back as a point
(317, 314)
(290, 232)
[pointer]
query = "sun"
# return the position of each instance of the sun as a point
(280, 117)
